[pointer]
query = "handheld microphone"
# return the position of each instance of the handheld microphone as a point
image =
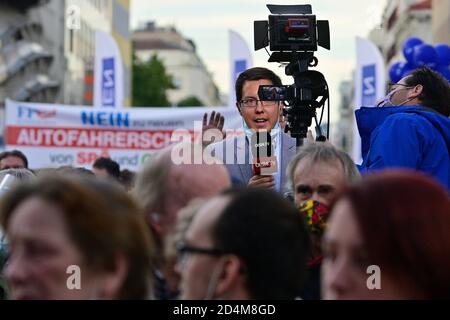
(264, 161)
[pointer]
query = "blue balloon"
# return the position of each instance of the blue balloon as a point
(395, 71)
(445, 72)
(425, 56)
(408, 48)
(407, 69)
(443, 52)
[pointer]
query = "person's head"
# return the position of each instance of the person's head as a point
(397, 221)
(11, 177)
(177, 235)
(162, 188)
(70, 170)
(20, 174)
(318, 170)
(106, 168)
(258, 115)
(14, 159)
(244, 244)
(84, 172)
(423, 87)
(127, 178)
(75, 239)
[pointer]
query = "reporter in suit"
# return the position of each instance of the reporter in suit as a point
(256, 116)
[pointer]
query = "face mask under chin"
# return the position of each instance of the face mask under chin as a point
(387, 102)
(249, 131)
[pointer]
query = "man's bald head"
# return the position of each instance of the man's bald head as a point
(163, 187)
(198, 180)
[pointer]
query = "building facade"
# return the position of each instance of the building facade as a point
(179, 56)
(344, 130)
(111, 16)
(403, 19)
(441, 21)
(59, 35)
(121, 32)
(25, 55)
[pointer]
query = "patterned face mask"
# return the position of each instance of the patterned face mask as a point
(316, 216)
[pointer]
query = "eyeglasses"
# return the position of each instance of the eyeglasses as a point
(252, 103)
(184, 251)
(392, 86)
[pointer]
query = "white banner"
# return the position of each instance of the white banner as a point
(240, 60)
(370, 82)
(108, 72)
(56, 135)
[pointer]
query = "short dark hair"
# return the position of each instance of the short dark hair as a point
(127, 178)
(268, 234)
(110, 165)
(436, 89)
(252, 74)
(14, 153)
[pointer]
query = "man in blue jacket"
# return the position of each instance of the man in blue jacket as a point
(412, 129)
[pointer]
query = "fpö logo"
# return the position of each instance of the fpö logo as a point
(30, 113)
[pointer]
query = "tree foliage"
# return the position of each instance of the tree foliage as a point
(150, 83)
(191, 101)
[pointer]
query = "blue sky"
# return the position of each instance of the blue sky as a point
(207, 23)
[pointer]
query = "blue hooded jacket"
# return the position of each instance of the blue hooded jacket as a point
(405, 137)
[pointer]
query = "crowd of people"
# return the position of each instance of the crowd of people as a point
(320, 227)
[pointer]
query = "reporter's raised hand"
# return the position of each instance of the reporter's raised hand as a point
(216, 121)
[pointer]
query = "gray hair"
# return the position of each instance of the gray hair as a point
(151, 182)
(323, 152)
(20, 174)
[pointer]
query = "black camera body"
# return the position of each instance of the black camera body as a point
(292, 31)
(294, 34)
(309, 86)
(291, 28)
(273, 93)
